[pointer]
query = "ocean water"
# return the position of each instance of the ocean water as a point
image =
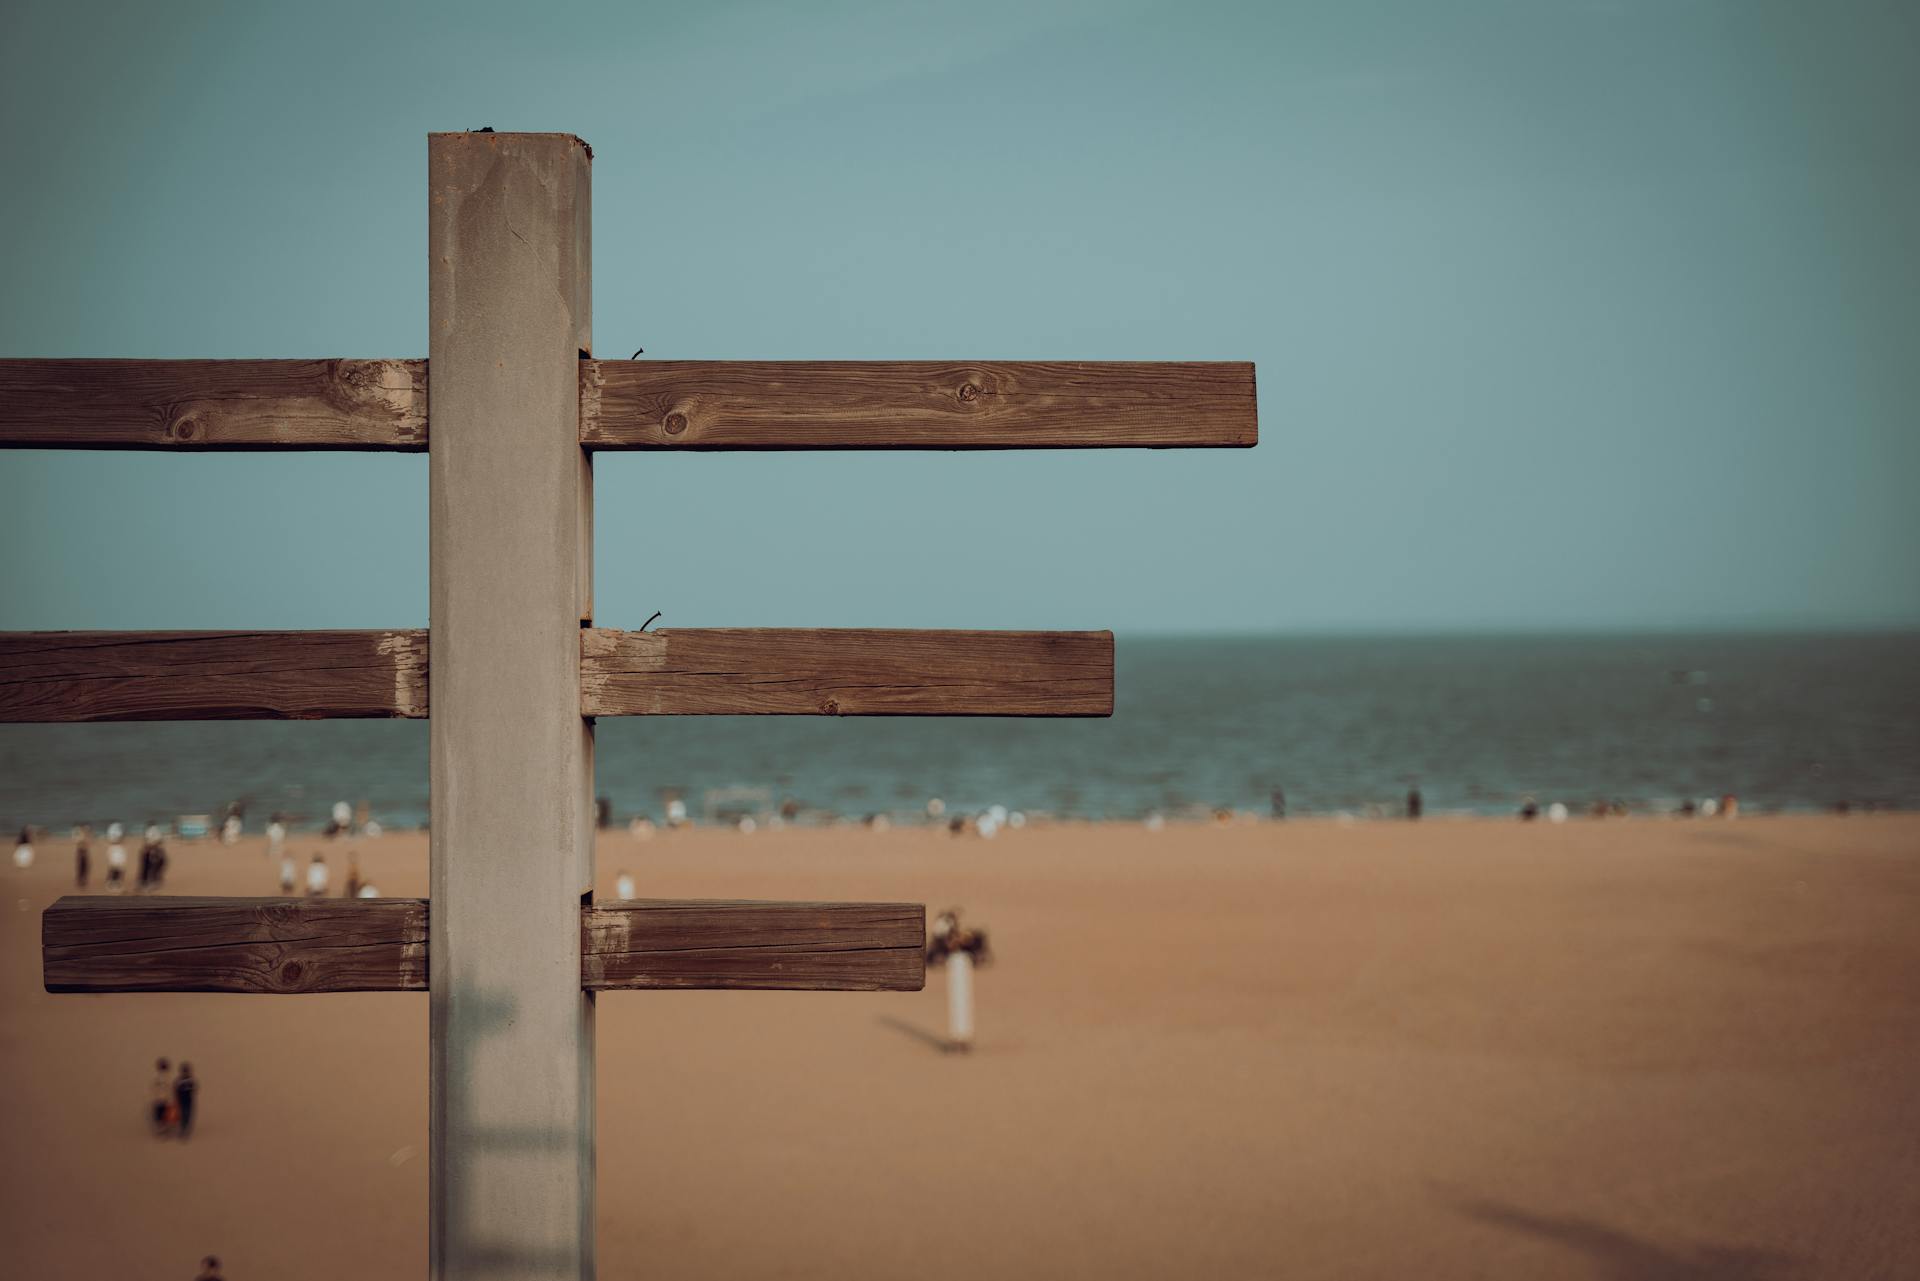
(1789, 722)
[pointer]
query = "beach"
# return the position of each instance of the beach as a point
(1646, 1048)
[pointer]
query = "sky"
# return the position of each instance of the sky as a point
(1567, 313)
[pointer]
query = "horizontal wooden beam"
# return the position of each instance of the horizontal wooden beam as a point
(844, 672)
(915, 404)
(213, 404)
(146, 676)
(150, 676)
(289, 945)
(667, 404)
(140, 944)
(815, 947)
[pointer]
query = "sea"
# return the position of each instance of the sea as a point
(1324, 725)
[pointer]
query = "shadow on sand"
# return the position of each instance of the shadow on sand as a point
(1631, 1258)
(915, 1031)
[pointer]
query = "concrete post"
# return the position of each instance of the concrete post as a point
(511, 1123)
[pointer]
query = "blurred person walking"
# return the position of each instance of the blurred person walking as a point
(116, 862)
(153, 859)
(82, 856)
(160, 1099)
(287, 872)
(184, 1087)
(23, 850)
(958, 948)
(317, 877)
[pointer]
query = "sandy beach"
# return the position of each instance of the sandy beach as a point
(1470, 1048)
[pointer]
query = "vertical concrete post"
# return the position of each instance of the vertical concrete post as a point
(511, 759)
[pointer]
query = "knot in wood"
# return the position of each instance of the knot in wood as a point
(290, 972)
(676, 423)
(830, 707)
(184, 428)
(968, 392)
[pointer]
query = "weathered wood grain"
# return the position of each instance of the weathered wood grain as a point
(149, 676)
(214, 404)
(729, 404)
(722, 404)
(275, 945)
(844, 672)
(819, 947)
(287, 945)
(129, 676)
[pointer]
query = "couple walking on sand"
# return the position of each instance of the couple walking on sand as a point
(172, 1100)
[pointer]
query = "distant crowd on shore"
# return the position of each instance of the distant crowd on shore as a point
(153, 857)
(1725, 806)
(152, 871)
(314, 879)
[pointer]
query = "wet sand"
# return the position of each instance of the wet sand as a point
(1621, 1049)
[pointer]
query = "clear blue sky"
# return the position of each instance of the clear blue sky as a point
(1566, 313)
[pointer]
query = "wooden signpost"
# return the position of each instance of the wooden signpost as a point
(511, 406)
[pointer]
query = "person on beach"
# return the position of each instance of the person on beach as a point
(959, 949)
(82, 856)
(209, 1270)
(23, 850)
(184, 1087)
(623, 884)
(317, 877)
(116, 863)
(276, 836)
(1415, 806)
(1278, 803)
(160, 1097)
(149, 844)
(287, 871)
(153, 860)
(1529, 810)
(352, 889)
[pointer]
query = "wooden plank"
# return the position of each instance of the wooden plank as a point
(214, 404)
(916, 404)
(844, 672)
(287, 945)
(382, 404)
(128, 676)
(509, 758)
(156, 676)
(815, 947)
(273, 945)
